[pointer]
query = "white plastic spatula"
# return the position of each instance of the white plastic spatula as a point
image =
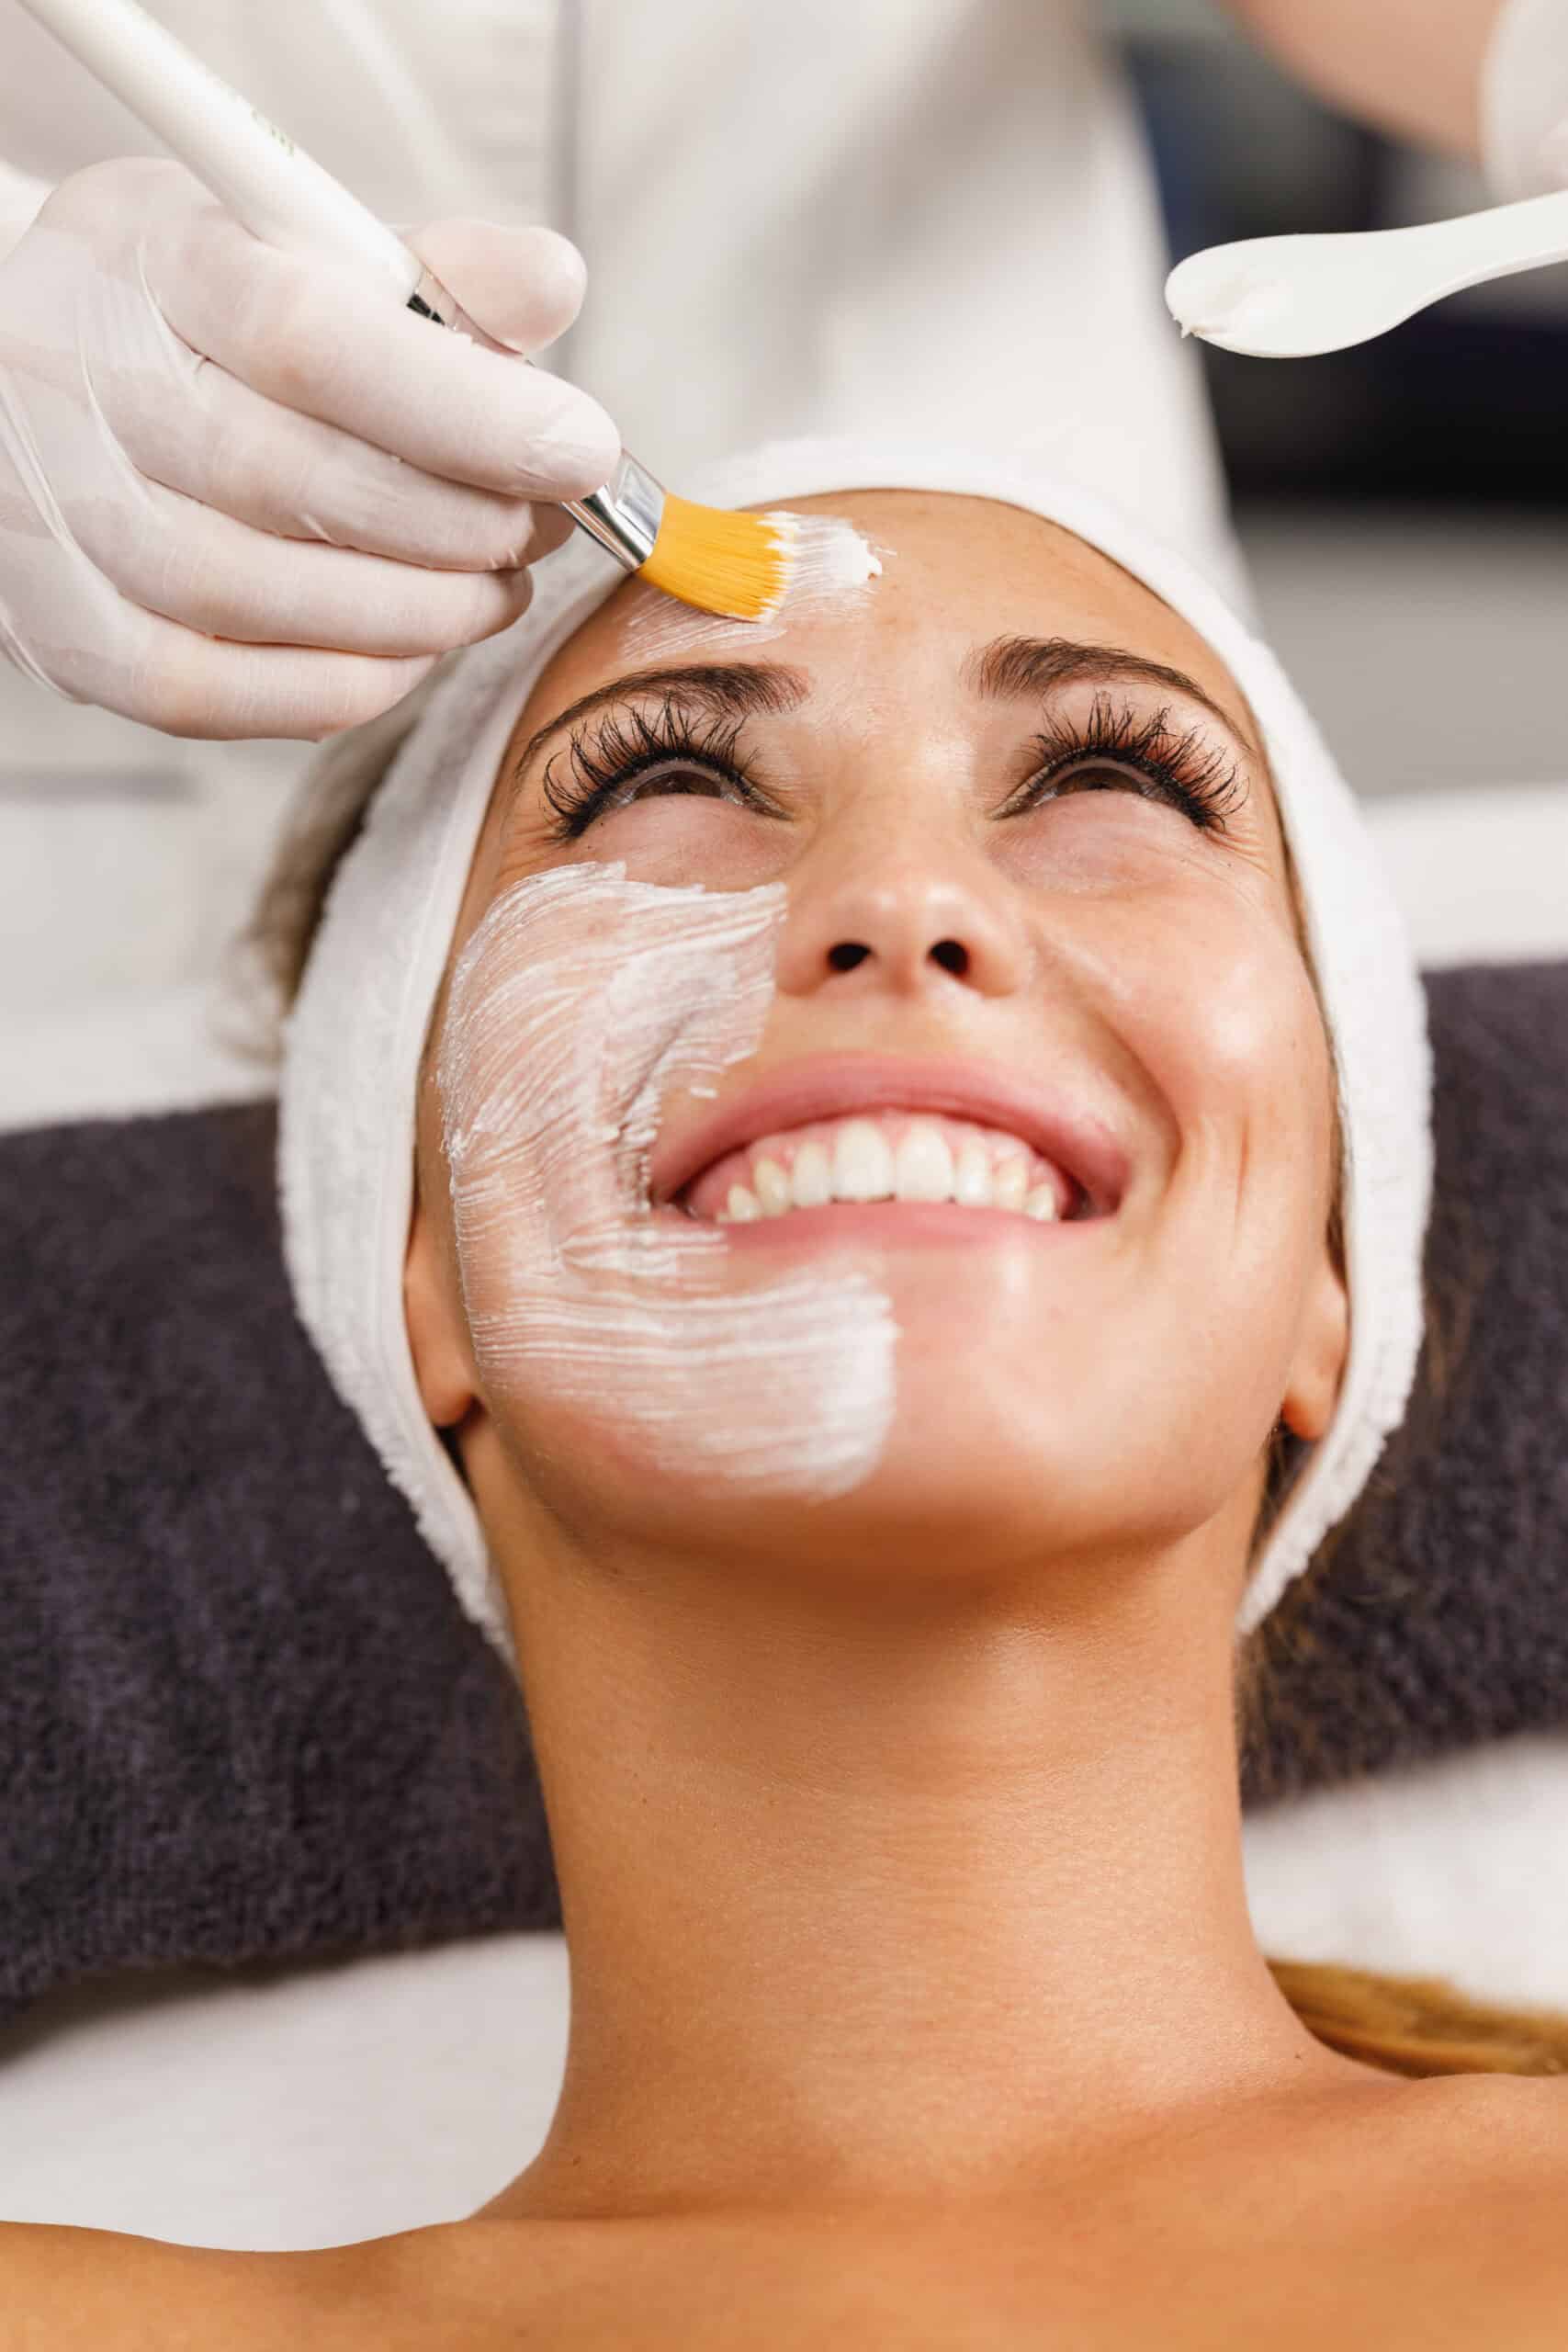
(1286, 297)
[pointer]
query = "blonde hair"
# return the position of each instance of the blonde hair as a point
(1407, 2025)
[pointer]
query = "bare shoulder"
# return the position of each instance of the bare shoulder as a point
(69, 2289)
(1461, 2185)
(1470, 2142)
(66, 2288)
(1432, 2212)
(1514, 2125)
(1380, 2211)
(1488, 2166)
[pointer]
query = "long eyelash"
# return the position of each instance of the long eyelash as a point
(1184, 762)
(623, 746)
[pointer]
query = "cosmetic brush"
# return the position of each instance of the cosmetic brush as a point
(1289, 298)
(739, 565)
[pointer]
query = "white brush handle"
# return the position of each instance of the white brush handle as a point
(285, 198)
(1287, 297)
(272, 187)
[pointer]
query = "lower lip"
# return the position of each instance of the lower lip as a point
(893, 1224)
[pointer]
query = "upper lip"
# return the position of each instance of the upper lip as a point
(835, 1086)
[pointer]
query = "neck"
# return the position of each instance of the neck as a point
(888, 1897)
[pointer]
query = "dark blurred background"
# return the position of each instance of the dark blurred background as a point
(1405, 504)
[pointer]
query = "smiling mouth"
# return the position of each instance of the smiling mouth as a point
(883, 1158)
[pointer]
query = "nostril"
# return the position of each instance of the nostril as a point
(951, 954)
(847, 955)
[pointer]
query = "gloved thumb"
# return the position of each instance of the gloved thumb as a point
(524, 285)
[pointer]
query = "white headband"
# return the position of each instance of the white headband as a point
(354, 1044)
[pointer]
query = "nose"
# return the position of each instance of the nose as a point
(901, 915)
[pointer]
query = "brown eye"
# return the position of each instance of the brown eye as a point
(1100, 779)
(1144, 753)
(635, 756)
(703, 782)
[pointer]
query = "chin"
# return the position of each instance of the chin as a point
(965, 1485)
(1007, 1442)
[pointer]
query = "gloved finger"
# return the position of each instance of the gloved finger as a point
(225, 444)
(315, 336)
(174, 556)
(168, 677)
(522, 285)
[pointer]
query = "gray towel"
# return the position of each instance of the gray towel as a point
(242, 1715)
(1442, 1619)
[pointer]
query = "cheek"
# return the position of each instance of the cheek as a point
(1110, 840)
(582, 1002)
(1225, 1042)
(611, 1342)
(1186, 946)
(1234, 1037)
(1235, 1043)
(668, 839)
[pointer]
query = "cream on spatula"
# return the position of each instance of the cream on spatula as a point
(1287, 297)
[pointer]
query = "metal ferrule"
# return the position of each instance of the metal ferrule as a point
(430, 301)
(624, 516)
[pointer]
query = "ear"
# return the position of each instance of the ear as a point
(1313, 1391)
(437, 1334)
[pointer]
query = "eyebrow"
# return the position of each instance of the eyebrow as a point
(1008, 669)
(725, 689)
(1013, 667)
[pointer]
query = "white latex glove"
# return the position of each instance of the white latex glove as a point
(21, 200)
(1523, 100)
(242, 493)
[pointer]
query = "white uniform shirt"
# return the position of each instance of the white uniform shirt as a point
(799, 216)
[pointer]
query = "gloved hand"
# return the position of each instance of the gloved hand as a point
(243, 494)
(1523, 100)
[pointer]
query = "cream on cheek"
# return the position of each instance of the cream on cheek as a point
(582, 1004)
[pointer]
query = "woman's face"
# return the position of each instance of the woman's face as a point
(970, 882)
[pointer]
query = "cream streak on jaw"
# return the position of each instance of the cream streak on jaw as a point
(582, 1004)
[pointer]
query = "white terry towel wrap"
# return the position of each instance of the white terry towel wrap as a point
(355, 1037)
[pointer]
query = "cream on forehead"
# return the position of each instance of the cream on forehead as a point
(832, 569)
(582, 1004)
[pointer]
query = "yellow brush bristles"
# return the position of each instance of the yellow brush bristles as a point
(722, 562)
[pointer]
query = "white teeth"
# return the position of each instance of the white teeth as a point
(923, 1169)
(971, 1175)
(858, 1164)
(811, 1178)
(1010, 1181)
(772, 1186)
(863, 1164)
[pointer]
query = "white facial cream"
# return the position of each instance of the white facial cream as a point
(582, 1006)
(830, 567)
(827, 556)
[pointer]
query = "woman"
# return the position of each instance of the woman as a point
(875, 1566)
